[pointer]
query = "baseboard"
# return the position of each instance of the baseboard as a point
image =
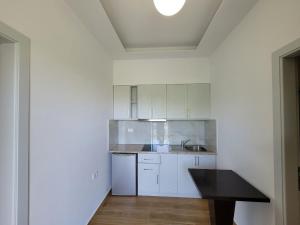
(99, 206)
(176, 195)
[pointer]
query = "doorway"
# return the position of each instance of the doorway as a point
(286, 102)
(14, 127)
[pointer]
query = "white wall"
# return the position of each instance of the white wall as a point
(7, 82)
(242, 98)
(71, 102)
(161, 71)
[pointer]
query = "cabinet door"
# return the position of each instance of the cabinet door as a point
(144, 102)
(159, 101)
(186, 186)
(168, 174)
(176, 102)
(198, 101)
(122, 102)
(148, 179)
(206, 162)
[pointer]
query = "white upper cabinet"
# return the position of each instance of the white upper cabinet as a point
(152, 101)
(177, 101)
(198, 101)
(122, 102)
(159, 101)
(144, 102)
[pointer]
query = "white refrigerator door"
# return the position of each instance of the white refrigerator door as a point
(124, 174)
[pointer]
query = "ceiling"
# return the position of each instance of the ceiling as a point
(133, 29)
(139, 25)
(4, 40)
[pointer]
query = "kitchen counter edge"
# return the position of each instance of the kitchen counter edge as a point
(179, 152)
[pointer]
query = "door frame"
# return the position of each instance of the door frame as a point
(278, 130)
(21, 129)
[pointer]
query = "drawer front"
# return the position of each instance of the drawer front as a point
(149, 158)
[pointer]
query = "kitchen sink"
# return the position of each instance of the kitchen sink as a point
(195, 148)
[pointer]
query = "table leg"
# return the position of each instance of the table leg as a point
(221, 212)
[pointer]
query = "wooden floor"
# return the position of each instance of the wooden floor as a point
(151, 211)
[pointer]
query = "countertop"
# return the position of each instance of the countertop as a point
(174, 149)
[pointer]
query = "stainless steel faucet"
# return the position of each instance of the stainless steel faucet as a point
(184, 142)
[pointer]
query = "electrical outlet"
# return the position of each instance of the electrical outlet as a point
(95, 175)
(130, 130)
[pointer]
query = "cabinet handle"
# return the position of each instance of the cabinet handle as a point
(148, 169)
(198, 161)
(148, 159)
(157, 177)
(195, 163)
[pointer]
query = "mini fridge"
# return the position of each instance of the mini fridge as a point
(124, 174)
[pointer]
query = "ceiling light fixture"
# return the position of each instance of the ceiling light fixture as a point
(169, 7)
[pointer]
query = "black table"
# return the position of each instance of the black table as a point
(223, 188)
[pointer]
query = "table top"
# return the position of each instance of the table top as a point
(225, 185)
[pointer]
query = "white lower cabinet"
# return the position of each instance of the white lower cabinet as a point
(170, 177)
(168, 174)
(148, 179)
(206, 162)
(186, 186)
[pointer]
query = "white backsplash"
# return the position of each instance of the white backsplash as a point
(134, 132)
(160, 133)
(184, 130)
(211, 135)
(170, 132)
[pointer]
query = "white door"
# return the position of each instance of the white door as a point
(148, 179)
(7, 129)
(291, 139)
(198, 101)
(159, 101)
(144, 102)
(186, 186)
(122, 105)
(176, 101)
(168, 174)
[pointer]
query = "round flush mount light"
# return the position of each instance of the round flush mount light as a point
(169, 7)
